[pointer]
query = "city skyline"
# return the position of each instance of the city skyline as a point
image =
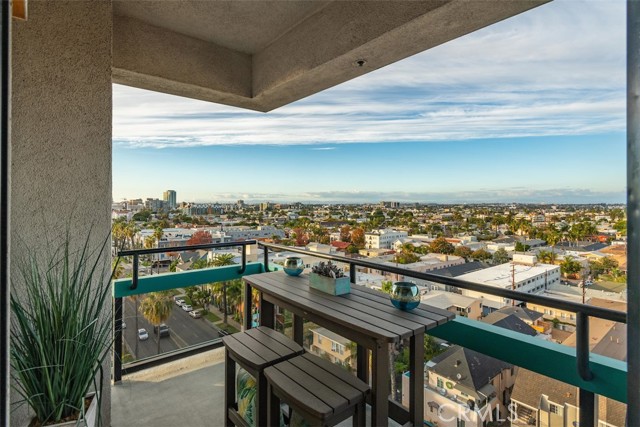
(522, 111)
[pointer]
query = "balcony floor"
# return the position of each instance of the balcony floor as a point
(186, 392)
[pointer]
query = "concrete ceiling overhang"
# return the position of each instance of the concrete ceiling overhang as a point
(262, 55)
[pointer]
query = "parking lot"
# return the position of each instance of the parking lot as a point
(184, 331)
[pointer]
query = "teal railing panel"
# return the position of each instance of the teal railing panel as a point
(544, 357)
(166, 281)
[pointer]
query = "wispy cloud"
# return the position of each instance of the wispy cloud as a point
(506, 195)
(556, 70)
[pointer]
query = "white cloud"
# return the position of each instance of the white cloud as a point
(506, 195)
(556, 70)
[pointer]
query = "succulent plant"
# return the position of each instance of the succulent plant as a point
(328, 269)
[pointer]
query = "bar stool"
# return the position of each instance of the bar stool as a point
(253, 350)
(322, 393)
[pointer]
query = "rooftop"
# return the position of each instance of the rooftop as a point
(445, 300)
(501, 275)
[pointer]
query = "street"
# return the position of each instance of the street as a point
(185, 331)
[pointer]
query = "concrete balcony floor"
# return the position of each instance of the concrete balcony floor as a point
(187, 392)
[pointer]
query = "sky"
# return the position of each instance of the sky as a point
(531, 109)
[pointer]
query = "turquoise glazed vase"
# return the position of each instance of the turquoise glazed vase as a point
(405, 295)
(293, 266)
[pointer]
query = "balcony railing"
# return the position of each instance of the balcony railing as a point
(136, 285)
(592, 373)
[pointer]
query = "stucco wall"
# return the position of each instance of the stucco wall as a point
(61, 129)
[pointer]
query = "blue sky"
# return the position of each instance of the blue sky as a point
(531, 109)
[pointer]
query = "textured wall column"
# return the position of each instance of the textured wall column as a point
(61, 128)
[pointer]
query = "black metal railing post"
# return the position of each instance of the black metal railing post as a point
(117, 340)
(244, 260)
(633, 212)
(265, 259)
(352, 273)
(134, 279)
(587, 399)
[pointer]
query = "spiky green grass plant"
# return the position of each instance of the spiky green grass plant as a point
(61, 329)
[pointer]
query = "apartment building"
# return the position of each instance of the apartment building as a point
(332, 346)
(532, 278)
(383, 239)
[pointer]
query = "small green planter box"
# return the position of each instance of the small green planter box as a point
(330, 285)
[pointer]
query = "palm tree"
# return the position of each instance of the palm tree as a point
(136, 301)
(234, 294)
(552, 238)
(156, 308)
(130, 232)
(220, 261)
(157, 234)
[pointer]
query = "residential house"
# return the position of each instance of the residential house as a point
(542, 401)
(455, 303)
(465, 388)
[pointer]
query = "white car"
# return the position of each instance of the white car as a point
(187, 307)
(196, 314)
(143, 335)
(179, 302)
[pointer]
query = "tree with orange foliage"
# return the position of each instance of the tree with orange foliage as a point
(200, 237)
(301, 237)
(357, 237)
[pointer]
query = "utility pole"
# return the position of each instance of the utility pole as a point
(513, 281)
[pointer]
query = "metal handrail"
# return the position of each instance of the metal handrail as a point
(137, 252)
(117, 312)
(589, 310)
(583, 311)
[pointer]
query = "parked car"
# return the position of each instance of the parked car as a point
(142, 334)
(196, 314)
(179, 301)
(164, 330)
(187, 307)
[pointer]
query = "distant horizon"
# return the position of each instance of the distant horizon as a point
(294, 200)
(520, 111)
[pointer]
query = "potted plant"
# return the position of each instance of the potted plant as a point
(328, 277)
(61, 331)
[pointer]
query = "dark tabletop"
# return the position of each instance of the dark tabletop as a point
(365, 310)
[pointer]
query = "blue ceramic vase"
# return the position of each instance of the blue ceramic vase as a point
(405, 295)
(293, 266)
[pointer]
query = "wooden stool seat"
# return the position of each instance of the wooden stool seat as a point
(321, 392)
(254, 350)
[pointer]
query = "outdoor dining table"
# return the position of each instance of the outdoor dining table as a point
(365, 316)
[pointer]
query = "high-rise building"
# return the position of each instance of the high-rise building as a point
(169, 198)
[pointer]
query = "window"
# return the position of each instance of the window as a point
(553, 408)
(319, 339)
(460, 422)
(440, 384)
